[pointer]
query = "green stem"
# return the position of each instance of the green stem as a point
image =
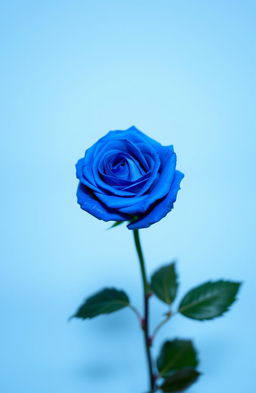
(161, 324)
(136, 312)
(146, 295)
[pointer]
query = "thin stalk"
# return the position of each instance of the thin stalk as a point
(160, 325)
(136, 312)
(146, 295)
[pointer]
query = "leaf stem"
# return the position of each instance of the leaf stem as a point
(146, 295)
(161, 324)
(136, 312)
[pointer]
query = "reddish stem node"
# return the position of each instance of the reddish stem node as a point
(156, 376)
(143, 323)
(150, 341)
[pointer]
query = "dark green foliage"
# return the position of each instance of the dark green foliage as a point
(180, 380)
(176, 354)
(209, 300)
(164, 283)
(106, 301)
(116, 224)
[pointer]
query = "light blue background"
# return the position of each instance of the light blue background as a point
(181, 71)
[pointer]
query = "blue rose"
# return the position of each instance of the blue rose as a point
(127, 176)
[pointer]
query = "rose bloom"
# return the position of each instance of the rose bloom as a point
(128, 176)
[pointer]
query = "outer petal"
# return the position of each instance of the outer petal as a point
(132, 134)
(133, 205)
(168, 165)
(80, 169)
(161, 209)
(85, 168)
(89, 203)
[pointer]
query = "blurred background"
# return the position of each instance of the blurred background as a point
(184, 73)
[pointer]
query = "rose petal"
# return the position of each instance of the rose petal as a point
(161, 209)
(89, 203)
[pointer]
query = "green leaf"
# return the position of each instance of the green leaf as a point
(176, 354)
(209, 300)
(116, 224)
(164, 283)
(106, 301)
(180, 380)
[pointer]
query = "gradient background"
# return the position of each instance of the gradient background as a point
(181, 71)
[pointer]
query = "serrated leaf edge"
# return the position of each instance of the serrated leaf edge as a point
(161, 373)
(181, 310)
(124, 303)
(169, 301)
